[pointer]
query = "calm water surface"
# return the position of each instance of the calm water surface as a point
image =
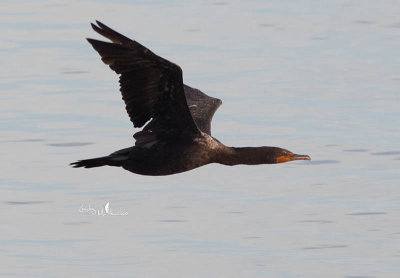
(318, 78)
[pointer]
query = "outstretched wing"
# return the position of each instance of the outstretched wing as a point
(151, 87)
(202, 107)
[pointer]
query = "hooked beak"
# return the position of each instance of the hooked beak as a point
(287, 158)
(300, 157)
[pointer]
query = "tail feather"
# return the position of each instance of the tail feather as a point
(114, 159)
(97, 162)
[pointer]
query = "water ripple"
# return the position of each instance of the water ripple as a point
(324, 247)
(70, 144)
(24, 202)
(367, 213)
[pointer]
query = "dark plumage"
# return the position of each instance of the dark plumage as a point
(177, 136)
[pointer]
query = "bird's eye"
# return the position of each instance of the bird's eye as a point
(284, 153)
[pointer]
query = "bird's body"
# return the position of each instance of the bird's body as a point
(170, 158)
(176, 136)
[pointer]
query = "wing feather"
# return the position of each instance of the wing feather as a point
(151, 86)
(202, 107)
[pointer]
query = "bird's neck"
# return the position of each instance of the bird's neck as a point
(247, 155)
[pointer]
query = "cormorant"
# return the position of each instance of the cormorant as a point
(177, 136)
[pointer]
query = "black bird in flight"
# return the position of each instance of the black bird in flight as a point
(176, 136)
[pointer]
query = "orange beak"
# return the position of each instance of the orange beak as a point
(287, 158)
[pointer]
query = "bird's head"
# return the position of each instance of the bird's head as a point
(282, 155)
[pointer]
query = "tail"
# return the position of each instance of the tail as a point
(114, 159)
(95, 162)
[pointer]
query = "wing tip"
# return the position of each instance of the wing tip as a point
(109, 33)
(99, 25)
(96, 43)
(99, 29)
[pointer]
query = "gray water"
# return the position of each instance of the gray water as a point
(316, 77)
